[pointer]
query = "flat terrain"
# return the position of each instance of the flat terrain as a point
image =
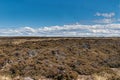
(34, 58)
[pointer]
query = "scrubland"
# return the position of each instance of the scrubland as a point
(33, 58)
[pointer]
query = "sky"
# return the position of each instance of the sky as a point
(74, 18)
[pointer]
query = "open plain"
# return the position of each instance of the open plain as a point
(46, 58)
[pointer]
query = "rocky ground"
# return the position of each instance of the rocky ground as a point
(35, 58)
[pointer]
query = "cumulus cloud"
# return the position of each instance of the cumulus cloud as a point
(107, 15)
(75, 30)
(106, 18)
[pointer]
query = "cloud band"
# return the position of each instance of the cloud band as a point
(76, 30)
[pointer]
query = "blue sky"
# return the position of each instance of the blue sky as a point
(37, 14)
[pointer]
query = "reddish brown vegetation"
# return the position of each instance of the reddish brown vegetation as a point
(63, 58)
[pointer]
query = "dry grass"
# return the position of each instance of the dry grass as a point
(5, 77)
(60, 58)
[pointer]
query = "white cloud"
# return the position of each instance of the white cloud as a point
(105, 20)
(107, 15)
(76, 30)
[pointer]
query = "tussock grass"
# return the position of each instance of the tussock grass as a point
(61, 58)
